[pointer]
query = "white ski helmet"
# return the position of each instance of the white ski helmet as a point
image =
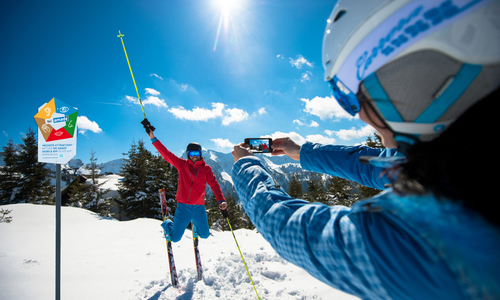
(420, 64)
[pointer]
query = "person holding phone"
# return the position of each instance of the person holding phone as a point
(194, 174)
(426, 75)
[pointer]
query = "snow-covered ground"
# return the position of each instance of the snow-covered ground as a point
(107, 259)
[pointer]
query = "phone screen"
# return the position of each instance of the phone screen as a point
(259, 145)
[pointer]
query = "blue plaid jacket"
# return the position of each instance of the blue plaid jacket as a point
(388, 247)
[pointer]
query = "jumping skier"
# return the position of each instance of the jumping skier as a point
(194, 175)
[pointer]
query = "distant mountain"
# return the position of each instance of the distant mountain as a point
(281, 168)
(113, 166)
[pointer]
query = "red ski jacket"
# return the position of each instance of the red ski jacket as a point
(193, 178)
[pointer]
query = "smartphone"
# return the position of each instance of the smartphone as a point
(259, 145)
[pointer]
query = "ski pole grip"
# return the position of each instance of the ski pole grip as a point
(224, 212)
(147, 126)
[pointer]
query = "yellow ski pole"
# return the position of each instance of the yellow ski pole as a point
(225, 214)
(120, 35)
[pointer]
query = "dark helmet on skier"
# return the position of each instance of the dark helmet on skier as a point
(193, 148)
(418, 64)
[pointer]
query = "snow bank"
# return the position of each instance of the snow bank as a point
(106, 259)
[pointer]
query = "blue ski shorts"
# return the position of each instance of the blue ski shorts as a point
(184, 214)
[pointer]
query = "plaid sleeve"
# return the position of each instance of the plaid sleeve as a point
(343, 161)
(321, 239)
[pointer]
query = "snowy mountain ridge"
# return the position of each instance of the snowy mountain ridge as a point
(280, 167)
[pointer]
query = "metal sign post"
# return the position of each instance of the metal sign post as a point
(57, 133)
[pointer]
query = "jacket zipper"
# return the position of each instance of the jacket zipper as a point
(191, 187)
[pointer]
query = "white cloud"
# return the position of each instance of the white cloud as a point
(306, 76)
(153, 100)
(150, 100)
(300, 140)
(156, 75)
(228, 116)
(298, 122)
(234, 115)
(260, 112)
(353, 133)
(301, 123)
(152, 92)
(198, 114)
(272, 93)
(84, 125)
(325, 108)
(299, 62)
(297, 138)
(131, 99)
(183, 87)
(222, 144)
(318, 138)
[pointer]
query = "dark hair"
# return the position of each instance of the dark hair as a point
(460, 164)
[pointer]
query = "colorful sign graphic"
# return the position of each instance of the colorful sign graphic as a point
(56, 120)
(56, 123)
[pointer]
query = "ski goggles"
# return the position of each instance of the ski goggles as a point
(346, 99)
(194, 153)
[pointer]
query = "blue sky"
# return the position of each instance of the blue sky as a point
(206, 72)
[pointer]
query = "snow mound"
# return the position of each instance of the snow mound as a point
(103, 258)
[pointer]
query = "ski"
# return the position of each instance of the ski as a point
(171, 262)
(199, 268)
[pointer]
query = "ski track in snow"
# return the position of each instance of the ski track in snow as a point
(226, 278)
(103, 258)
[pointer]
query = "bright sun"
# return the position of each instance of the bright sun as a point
(230, 11)
(226, 5)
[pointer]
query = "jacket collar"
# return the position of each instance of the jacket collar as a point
(198, 163)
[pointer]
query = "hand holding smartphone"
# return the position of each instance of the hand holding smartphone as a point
(259, 145)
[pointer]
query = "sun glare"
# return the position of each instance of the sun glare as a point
(226, 6)
(227, 10)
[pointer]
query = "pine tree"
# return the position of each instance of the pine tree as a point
(376, 142)
(132, 188)
(237, 216)
(3, 215)
(77, 192)
(316, 190)
(90, 194)
(93, 168)
(8, 174)
(246, 222)
(34, 185)
(98, 203)
(341, 191)
(144, 174)
(213, 212)
(295, 187)
(161, 175)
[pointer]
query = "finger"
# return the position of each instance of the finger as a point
(277, 152)
(280, 141)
